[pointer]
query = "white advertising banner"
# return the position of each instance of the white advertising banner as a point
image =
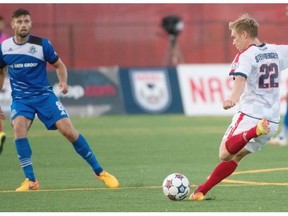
(204, 87)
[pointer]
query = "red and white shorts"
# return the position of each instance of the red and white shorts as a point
(241, 123)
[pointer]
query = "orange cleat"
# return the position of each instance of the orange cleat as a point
(263, 127)
(109, 180)
(198, 196)
(28, 185)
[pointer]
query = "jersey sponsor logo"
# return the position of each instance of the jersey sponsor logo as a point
(151, 90)
(24, 65)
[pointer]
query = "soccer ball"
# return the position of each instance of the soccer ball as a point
(176, 186)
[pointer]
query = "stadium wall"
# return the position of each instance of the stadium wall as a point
(88, 36)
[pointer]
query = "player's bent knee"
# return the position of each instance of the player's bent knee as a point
(240, 155)
(225, 156)
(71, 135)
(19, 131)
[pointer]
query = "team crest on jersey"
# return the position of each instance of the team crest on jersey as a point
(151, 89)
(32, 50)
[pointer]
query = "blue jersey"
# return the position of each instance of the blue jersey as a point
(27, 66)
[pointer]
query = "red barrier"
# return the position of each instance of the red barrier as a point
(87, 36)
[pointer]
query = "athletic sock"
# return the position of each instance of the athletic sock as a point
(284, 129)
(236, 142)
(222, 171)
(24, 154)
(82, 148)
(286, 116)
(284, 132)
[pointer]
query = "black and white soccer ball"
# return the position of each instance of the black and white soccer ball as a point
(176, 186)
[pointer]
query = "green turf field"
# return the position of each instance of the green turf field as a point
(141, 151)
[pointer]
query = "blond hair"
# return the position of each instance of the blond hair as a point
(247, 24)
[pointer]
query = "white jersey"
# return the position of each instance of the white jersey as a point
(261, 66)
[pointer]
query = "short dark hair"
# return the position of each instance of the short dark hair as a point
(20, 12)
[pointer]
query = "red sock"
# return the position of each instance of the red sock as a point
(235, 143)
(222, 171)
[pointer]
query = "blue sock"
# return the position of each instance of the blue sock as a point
(285, 122)
(82, 148)
(24, 155)
(284, 130)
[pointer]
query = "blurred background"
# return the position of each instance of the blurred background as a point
(130, 35)
(146, 58)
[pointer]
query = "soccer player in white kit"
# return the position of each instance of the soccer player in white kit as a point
(256, 71)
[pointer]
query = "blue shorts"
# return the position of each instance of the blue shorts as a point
(47, 107)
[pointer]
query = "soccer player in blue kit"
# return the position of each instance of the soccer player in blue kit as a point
(25, 57)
